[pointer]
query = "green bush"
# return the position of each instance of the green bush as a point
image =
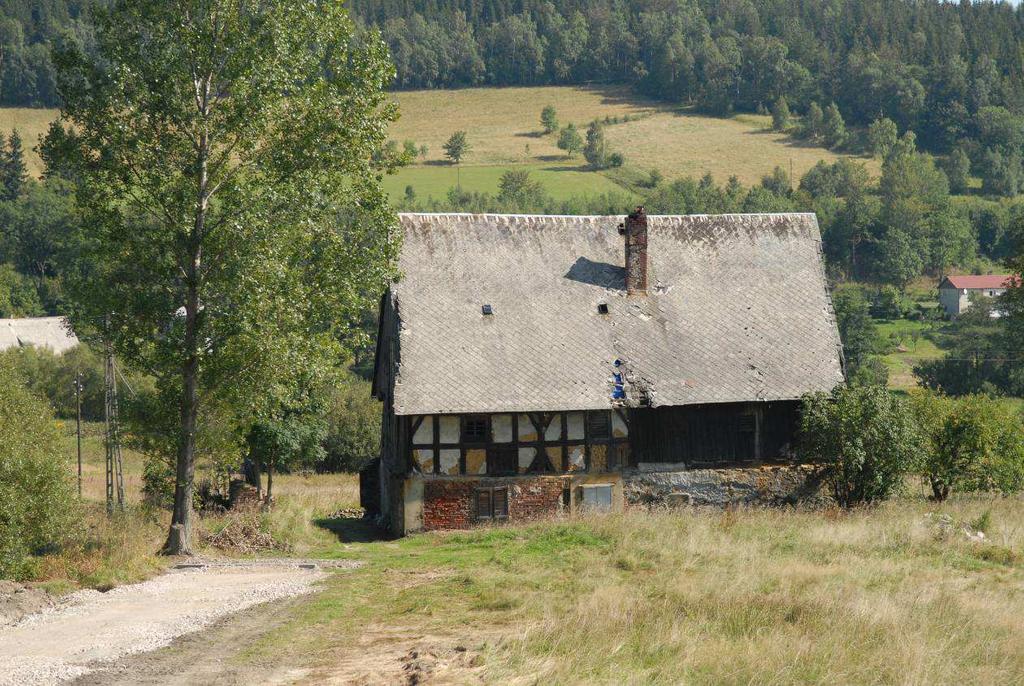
(36, 497)
(867, 437)
(18, 294)
(353, 427)
(975, 445)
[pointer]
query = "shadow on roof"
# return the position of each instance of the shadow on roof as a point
(597, 274)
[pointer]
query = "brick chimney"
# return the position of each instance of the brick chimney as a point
(636, 252)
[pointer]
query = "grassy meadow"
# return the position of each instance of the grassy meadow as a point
(897, 594)
(30, 124)
(874, 596)
(503, 127)
(504, 131)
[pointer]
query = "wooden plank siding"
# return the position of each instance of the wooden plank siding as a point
(714, 435)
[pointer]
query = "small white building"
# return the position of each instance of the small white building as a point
(955, 291)
(41, 332)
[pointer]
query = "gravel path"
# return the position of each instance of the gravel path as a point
(88, 629)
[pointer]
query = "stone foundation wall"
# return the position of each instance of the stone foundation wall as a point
(761, 485)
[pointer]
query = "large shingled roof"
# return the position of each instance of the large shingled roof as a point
(41, 332)
(737, 311)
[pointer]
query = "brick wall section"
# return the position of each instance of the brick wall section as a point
(449, 503)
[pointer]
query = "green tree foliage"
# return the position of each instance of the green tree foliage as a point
(920, 228)
(37, 508)
(1001, 172)
(975, 445)
(353, 427)
(281, 444)
(595, 151)
(781, 117)
(44, 236)
(856, 327)
(839, 179)
(958, 170)
(980, 353)
(569, 139)
(867, 437)
(777, 182)
(13, 172)
(833, 127)
(814, 123)
(18, 294)
(882, 136)
(888, 303)
(518, 192)
(900, 261)
(549, 119)
(456, 147)
(237, 225)
(152, 422)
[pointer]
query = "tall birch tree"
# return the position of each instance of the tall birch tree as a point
(222, 155)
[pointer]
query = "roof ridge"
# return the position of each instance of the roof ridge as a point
(601, 216)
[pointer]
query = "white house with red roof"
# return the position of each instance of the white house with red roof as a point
(955, 291)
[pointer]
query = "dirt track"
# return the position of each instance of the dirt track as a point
(90, 630)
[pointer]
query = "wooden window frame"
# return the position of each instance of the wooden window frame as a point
(491, 493)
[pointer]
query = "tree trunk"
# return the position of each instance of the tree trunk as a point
(270, 479)
(179, 538)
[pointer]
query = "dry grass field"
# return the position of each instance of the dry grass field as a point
(503, 127)
(890, 595)
(897, 594)
(31, 124)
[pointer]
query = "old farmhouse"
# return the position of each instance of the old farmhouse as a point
(535, 364)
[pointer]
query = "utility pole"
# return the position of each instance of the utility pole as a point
(115, 470)
(78, 426)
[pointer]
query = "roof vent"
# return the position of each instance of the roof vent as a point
(487, 310)
(602, 308)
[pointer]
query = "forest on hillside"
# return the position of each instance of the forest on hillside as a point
(929, 66)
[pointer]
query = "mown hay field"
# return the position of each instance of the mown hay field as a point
(30, 124)
(504, 131)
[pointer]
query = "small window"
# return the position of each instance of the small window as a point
(599, 425)
(474, 429)
(597, 497)
(602, 308)
(492, 503)
(748, 423)
(487, 310)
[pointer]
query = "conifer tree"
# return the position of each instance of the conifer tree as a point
(833, 127)
(15, 173)
(780, 114)
(596, 150)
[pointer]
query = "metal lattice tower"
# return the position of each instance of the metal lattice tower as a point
(115, 469)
